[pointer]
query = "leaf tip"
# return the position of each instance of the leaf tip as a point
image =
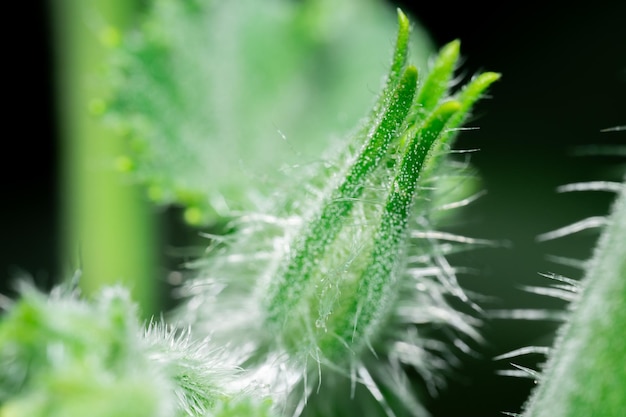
(450, 107)
(490, 77)
(403, 21)
(410, 74)
(451, 50)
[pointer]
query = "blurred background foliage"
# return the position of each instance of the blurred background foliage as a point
(221, 99)
(564, 80)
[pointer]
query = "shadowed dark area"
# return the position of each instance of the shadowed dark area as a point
(28, 171)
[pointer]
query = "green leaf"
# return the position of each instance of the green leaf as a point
(437, 84)
(216, 98)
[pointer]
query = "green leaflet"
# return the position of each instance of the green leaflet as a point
(377, 280)
(323, 229)
(437, 84)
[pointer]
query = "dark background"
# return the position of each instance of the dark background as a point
(564, 79)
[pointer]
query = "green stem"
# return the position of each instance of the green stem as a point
(585, 375)
(108, 228)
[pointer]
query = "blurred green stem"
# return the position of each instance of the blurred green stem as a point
(107, 228)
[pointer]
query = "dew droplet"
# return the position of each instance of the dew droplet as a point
(321, 324)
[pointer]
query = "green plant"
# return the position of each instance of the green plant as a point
(316, 303)
(339, 288)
